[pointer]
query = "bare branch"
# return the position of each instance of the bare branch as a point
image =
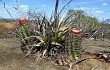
(95, 33)
(77, 62)
(17, 4)
(17, 8)
(8, 11)
(1, 1)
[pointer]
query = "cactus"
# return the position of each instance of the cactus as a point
(24, 31)
(76, 46)
(74, 43)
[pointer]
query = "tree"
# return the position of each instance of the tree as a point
(83, 21)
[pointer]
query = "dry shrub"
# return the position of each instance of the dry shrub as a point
(6, 29)
(7, 25)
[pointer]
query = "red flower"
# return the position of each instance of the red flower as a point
(75, 30)
(22, 20)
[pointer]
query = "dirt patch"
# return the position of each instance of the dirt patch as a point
(92, 63)
(11, 57)
(96, 46)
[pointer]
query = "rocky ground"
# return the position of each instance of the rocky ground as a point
(11, 57)
(90, 45)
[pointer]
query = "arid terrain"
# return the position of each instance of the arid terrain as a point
(11, 57)
(54, 35)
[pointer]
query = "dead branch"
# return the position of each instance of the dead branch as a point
(76, 62)
(1, 1)
(8, 11)
(94, 68)
(18, 9)
(94, 33)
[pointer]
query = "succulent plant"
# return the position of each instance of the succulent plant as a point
(49, 35)
(74, 44)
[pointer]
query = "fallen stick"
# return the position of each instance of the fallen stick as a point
(76, 62)
(94, 33)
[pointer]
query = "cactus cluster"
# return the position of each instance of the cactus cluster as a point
(48, 38)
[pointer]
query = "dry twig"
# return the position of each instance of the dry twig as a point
(76, 62)
(93, 68)
(7, 11)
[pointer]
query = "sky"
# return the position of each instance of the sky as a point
(96, 8)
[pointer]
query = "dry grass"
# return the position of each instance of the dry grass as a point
(6, 29)
(10, 25)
